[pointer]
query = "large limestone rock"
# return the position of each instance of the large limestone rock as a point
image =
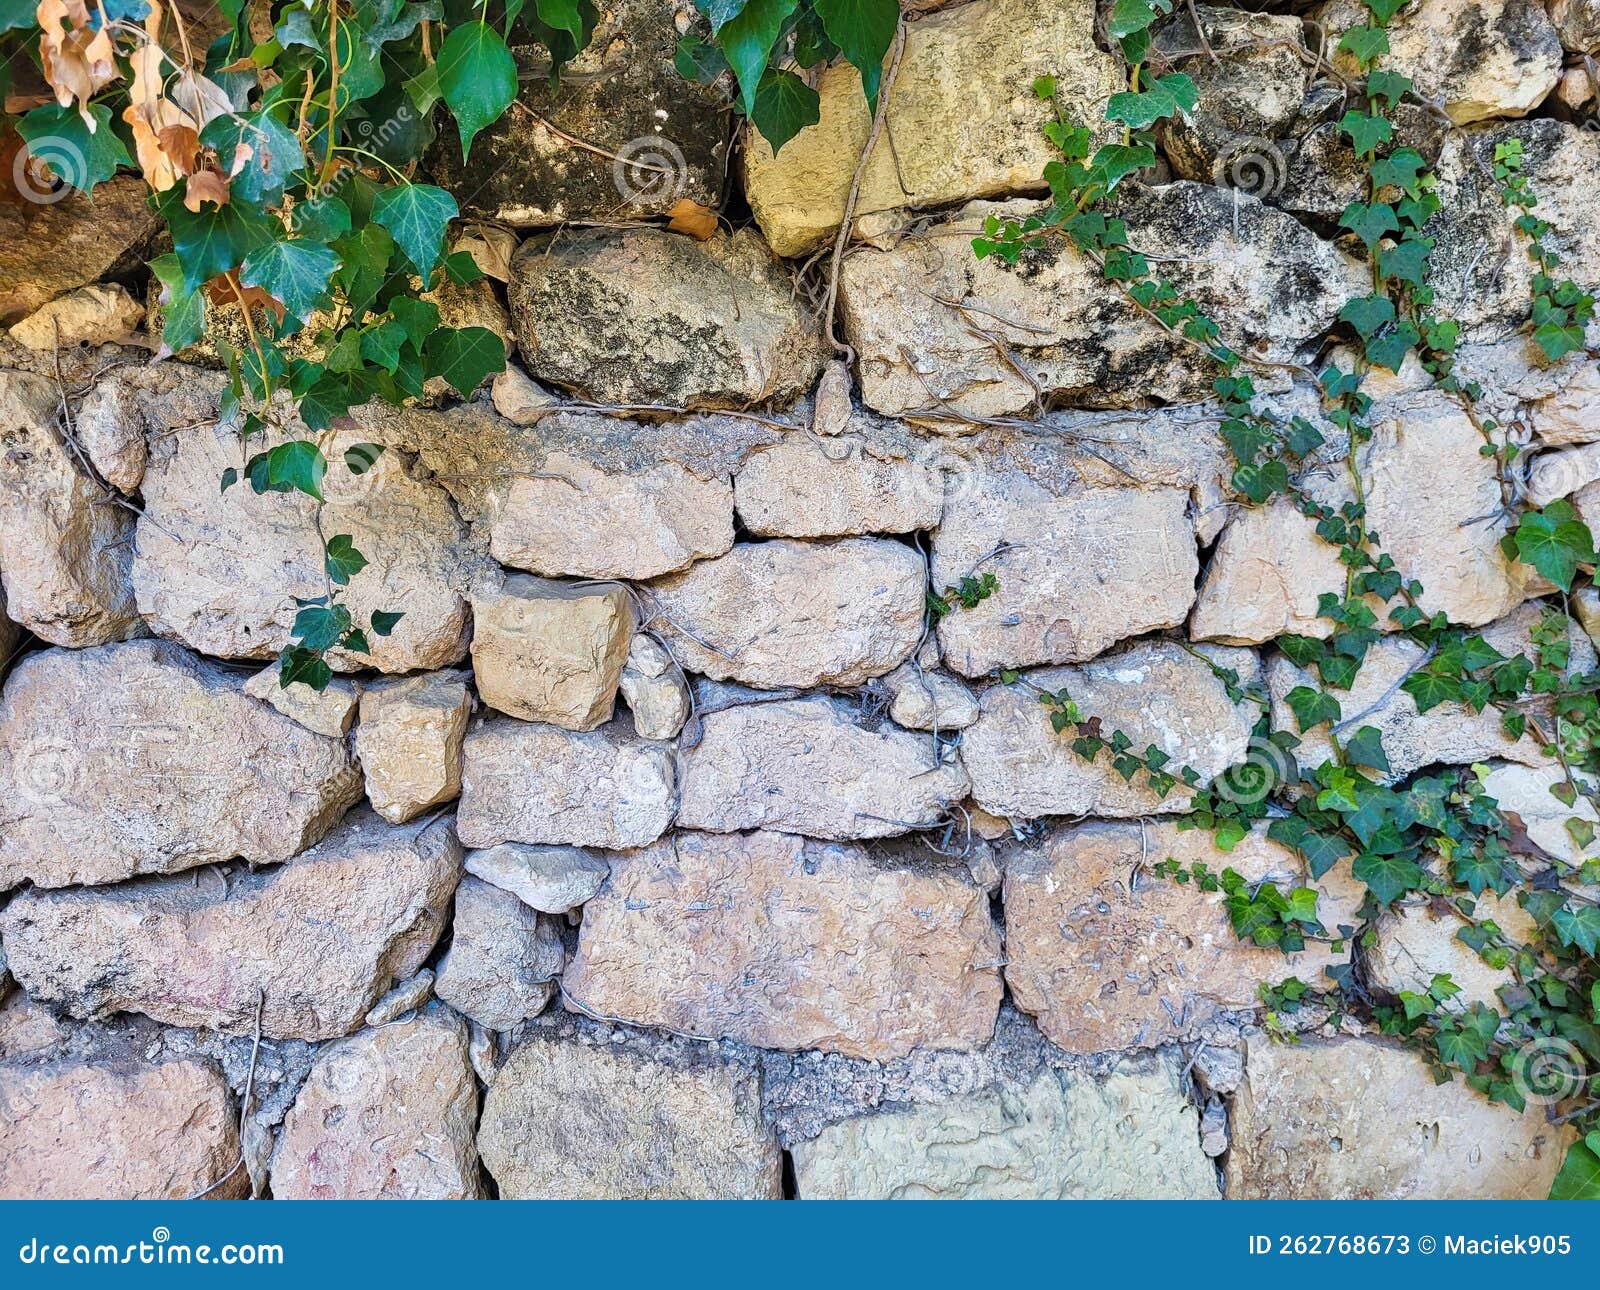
(118, 1131)
(221, 571)
(64, 543)
(551, 651)
(536, 167)
(92, 315)
(1108, 956)
(409, 742)
(575, 518)
(1066, 1136)
(128, 403)
(388, 1113)
(1153, 691)
(47, 248)
(503, 960)
(784, 943)
(312, 943)
(647, 316)
(552, 879)
(1447, 734)
(809, 487)
(1358, 1119)
(961, 120)
(569, 1120)
(1476, 58)
(140, 758)
(538, 783)
(787, 613)
(941, 333)
(1270, 566)
(1251, 73)
(812, 766)
(1491, 292)
(1078, 570)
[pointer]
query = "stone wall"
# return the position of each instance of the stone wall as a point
(667, 848)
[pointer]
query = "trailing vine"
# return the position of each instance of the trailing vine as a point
(1440, 838)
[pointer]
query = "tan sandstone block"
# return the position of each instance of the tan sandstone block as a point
(784, 943)
(409, 742)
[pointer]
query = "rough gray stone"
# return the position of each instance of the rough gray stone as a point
(504, 960)
(552, 879)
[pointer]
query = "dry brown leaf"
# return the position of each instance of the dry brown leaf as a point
(221, 292)
(148, 113)
(205, 186)
(181, 144)
(77, 60)
(691, 218)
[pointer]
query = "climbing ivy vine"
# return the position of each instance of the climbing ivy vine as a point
(1439, 839)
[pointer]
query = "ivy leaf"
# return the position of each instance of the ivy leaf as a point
(785, 105)
(477, 78)
(362, 457)
(747, 38)
(1368, 313)
(215, 239)
(183, 312)
(1129, 16)
(15, 14)
(1429, 690)
(1311, 707)
(297, 274)
(319, 627)
(303, 665)
(342, 560)
(1370, 222)
(59, 138)
(1387, 877)
(1366, 132)
(1166, 96)
(563, 15)
(1554, 541)
(417, 215)
(697, 61)
(464, 356)
(275, 155)
(298, 464)
(1365, 44)
(1579, 1178)
(1365, 748)
(863, 30)
(384, 621)
(1558, 339)
(1116, 161)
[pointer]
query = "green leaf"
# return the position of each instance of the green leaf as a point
(1365, 44)
(1167, 96)
(747, 38)
(1579, 1178)
(274, 155)
(1370, 223)
(417, 215)
(1368, 313)
(59, 138)
(384, 621)
(1129, 16)
(1366, 132)
(298, 464)
(863, 30)
(1365, 748)
(1558, 339)
(214, 240)
(1116, 162)
(1311, 707)
(563, 15)
(1430, 690)
(1554, 541)
(1387, 877)
(785, 105)
(319, 627)
(296, 273)
(477, 78)
(464, 356)
(361, 457)
(298, 664)
(18, 14)
(183, 311)
(342, 560)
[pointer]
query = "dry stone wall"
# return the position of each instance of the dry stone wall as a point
(669, 847)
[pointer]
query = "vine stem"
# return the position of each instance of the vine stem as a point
(843, 235)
